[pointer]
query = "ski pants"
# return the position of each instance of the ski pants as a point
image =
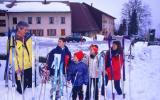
(116, 85)
(95, 91)
(77, 90)
(27, 80)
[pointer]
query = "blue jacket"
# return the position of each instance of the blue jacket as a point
(78, 73)
(63, 53)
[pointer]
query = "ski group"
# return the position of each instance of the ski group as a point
(63, 69)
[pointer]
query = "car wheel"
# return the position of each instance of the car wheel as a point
(84, 40)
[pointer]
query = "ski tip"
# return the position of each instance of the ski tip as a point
(113, 96)
(6, 85)
(124, 96)
(33, 98)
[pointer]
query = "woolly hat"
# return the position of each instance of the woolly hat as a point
(79, 55)
(95, 48)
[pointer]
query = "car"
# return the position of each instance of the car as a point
(72, 38)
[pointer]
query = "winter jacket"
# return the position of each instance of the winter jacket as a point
(78, 73)
(19, 49)
(65, 53)
(93, 67)
(117, 61)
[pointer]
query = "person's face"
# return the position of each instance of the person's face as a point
(75, 59)
(61, 43)
(22, 31)
(92, 51)
(114, 47)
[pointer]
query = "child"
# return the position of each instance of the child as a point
(78, 75)
(117, 59)
(93, 72)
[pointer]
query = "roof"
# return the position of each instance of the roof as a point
(35, 7)
(97, 15)
(98, 11)
(82, 19)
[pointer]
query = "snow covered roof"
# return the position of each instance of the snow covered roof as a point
(36, 7)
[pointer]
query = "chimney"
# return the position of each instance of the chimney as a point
(91, 4)
(45, 2)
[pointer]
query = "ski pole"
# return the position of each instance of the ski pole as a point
(73, 84)
(124, 78)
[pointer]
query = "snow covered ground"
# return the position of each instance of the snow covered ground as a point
(142, 72)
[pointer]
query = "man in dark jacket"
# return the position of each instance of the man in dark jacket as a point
(65, 57)
(63, 50)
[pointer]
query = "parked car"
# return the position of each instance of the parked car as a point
(72, 38)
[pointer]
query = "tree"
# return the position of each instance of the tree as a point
(122, 28)
(133, 24)
(142, 11)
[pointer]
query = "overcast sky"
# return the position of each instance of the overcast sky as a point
(114, 7)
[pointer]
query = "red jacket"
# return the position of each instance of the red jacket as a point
(117, 61)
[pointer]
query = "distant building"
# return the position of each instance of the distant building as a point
(88, 19)
(55, 18)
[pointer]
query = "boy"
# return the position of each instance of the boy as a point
(78, 75)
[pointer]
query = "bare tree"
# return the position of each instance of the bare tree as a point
(143, 15)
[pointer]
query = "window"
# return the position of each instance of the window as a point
(14, 20)
(2, 23)
(63, 33)
(51, 20)
(29, 20)
(51, 32)
(2, 14)
(62, 20)
(37, 32)
(38, 20)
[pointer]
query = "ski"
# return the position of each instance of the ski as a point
(6, 74)
(61, 81)
(101, 72)
(44, 74)
(44, 78)
(104, 72)
(13, 65)
(22, 72)
(111, 67)
(66, 66)
(55, 81)
(33, 66)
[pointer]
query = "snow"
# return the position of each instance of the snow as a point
(87, 38)
(36, 7)
(142, 72)
(100, 37)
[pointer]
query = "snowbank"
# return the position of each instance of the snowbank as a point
(100, 37)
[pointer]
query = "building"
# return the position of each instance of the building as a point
(51, 19)
(105, 22)
(56, 18)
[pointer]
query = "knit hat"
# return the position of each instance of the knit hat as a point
(95, 48)
(79, 55)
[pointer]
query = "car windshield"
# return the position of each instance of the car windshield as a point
(74, 36)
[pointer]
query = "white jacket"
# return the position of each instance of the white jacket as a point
(93, 67)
